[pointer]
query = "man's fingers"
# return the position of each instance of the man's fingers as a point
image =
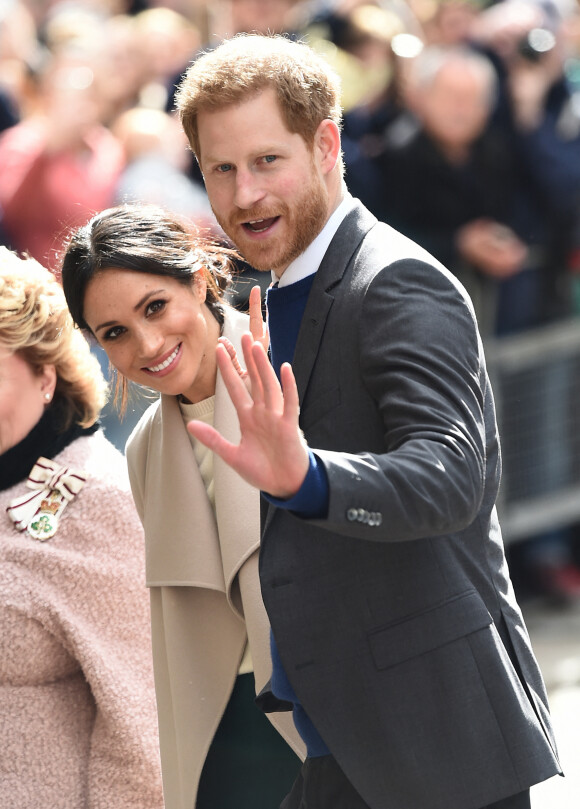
(238, 391)
(255, 378)
(212, 440)
(290, 392)
(268, 378)
(257, 326)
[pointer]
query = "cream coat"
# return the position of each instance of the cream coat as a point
(205, 591)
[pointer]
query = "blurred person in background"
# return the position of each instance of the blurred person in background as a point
(377, 30)
(362, 40)
(121, 74)
(449, 22)
(77, 702)
(155, 149)
(18, 48)
(106, 146)
(230, 17)
(165, 41)
(540, 112)
(539, 108)
(149, 289)
(60, 163)
(18, 44)
(447, 176)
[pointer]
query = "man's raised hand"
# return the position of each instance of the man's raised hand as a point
(272, 454)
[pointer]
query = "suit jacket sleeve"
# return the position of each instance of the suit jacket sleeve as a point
(421, 360)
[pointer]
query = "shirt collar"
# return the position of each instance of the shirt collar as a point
(309, 261)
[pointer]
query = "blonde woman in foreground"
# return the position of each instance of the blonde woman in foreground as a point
(77, 700)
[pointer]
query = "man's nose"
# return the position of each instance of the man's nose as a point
(248, 190)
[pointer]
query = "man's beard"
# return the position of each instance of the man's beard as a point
(304, 222)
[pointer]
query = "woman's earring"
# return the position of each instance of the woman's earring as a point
(48, 397)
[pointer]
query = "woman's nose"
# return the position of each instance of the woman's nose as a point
(150, 343)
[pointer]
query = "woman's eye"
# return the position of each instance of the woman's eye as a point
(113, 333)
(154, 307)
(225, 167)
(269, 158)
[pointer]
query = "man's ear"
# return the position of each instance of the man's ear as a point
(327, 145)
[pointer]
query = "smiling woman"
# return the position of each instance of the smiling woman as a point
(157, 332)
(150, 291)
(131, 276)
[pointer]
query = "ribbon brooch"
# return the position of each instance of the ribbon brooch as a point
(53, 489)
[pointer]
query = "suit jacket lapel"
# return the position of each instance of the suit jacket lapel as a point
(192, 557)
(346, 241)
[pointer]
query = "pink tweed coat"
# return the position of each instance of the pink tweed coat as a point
(78, 724)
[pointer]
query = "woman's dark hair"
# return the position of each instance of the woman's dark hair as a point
(146, 239)
(143, 238)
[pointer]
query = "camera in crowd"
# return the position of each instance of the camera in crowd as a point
(536, 44)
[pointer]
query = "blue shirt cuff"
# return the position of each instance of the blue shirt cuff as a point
(311, 499)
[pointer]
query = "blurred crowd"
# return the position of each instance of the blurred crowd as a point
(461, 129)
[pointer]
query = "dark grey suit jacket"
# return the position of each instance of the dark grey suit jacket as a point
(394, 616)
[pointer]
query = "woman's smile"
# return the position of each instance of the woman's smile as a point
(165, 364)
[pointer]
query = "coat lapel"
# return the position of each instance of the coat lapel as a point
(237, 503)
(192, 556)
